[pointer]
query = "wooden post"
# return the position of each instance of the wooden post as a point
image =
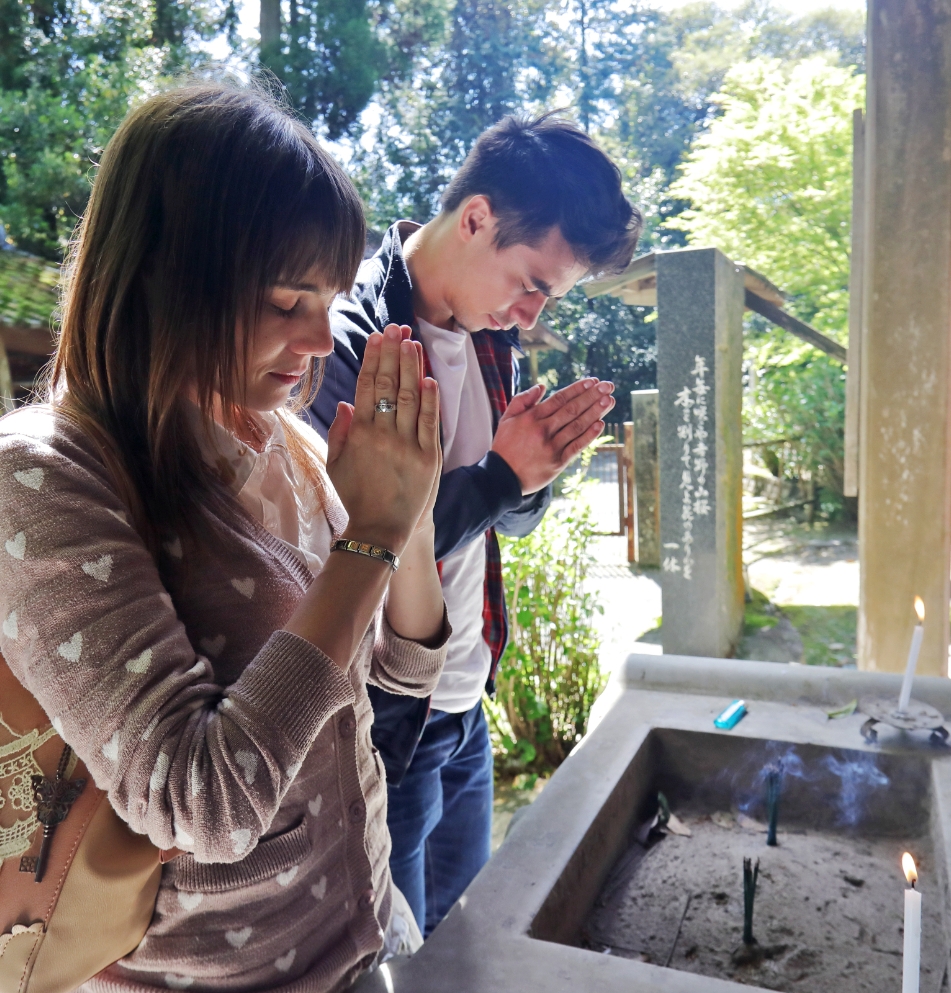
(646, 477)
(630, 514)
(7, 402)
(905, 443)
(533, 364)
(856, 274)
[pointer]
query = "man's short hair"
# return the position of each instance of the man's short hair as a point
(542, 173)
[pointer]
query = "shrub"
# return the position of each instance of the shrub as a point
(549, 675)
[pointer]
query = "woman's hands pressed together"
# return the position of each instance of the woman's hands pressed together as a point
(385, 466)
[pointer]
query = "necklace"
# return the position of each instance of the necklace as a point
(256, 435)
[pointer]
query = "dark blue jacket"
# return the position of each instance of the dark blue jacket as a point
(471, 500)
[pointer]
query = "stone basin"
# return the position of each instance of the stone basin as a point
(521, 924)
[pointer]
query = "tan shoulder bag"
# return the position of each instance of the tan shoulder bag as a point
(77, 886)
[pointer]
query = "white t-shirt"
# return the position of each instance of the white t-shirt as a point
(466, 418)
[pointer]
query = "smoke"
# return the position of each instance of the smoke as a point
(858, 777)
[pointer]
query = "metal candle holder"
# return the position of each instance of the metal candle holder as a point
(918, 717)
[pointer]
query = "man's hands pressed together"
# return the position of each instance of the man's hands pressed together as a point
(538, 438)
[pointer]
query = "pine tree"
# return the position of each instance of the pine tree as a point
(327, 57)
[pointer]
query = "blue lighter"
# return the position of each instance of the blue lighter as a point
(731, 716)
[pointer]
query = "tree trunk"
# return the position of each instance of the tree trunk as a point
(270, 32)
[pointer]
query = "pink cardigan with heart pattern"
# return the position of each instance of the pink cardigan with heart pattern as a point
(212, 729)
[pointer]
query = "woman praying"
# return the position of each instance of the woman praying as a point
(177, 590)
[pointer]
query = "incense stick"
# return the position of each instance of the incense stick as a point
(773, 788)
(750, 875)
(670, 954)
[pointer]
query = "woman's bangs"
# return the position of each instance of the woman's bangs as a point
(325, 231)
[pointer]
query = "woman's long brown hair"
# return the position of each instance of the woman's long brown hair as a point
(205, 197)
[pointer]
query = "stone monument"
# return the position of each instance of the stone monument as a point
(699, 354)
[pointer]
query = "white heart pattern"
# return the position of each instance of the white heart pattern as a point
(141, 662)
(175, 982)
(159, 773)
(238, 939)
(183, 839)
(240, 840)
(189, 901)
(16, 546)
(10, 627)
(285, 961)
(319, 890)
(249, 762)
(167, 600)
(58, 726)
(286, 878)
(101, 569)
(72, 650)
(111, 748)
(197, 669)
(244, 586)
(30, 478)
(314, 805)
(174, 548)
(213, 646)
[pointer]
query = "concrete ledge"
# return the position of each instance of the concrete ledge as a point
(820, 685)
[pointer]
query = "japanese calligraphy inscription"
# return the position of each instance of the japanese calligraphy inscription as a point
(699, 353)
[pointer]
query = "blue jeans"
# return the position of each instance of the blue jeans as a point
(440, 816)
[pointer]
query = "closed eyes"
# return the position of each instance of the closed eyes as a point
(285, 312)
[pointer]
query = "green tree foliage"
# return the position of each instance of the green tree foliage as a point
(328, 58)
(770, 183)
(644, 81)
(69, 71)
(549, 677)
(607, 339)
(471, 73)
(794, 391)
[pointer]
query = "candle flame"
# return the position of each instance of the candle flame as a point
(908, 867)
(920, 609)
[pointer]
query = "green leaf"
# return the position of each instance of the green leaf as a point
(845, 711)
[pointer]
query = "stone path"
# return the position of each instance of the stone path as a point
(810, 572)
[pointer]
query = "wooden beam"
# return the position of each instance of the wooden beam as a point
(641, 268)
(757, 283)
(794, 326)
(32, 340)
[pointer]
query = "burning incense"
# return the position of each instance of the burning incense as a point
(750, 875)
(774, 782)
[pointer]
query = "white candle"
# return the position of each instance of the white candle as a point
(913, 651)
(911, 963)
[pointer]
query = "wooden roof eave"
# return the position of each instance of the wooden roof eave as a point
(33, 340)
(637, 286)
